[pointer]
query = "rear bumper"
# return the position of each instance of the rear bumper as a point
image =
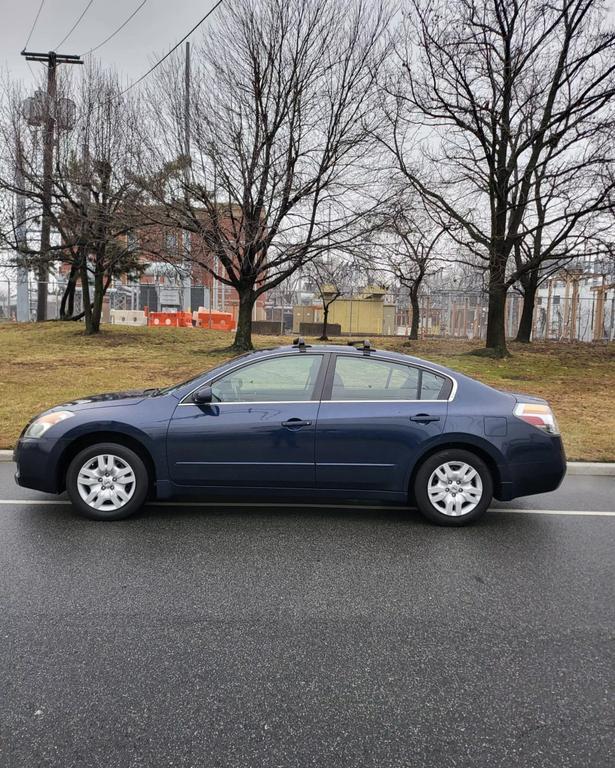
(528, 478)
(37, 464)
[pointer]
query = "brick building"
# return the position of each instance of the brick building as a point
(162, 249)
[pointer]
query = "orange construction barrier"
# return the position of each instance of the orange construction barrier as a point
(216, 321)
(170, 319)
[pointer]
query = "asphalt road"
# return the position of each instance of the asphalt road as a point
(277, 636)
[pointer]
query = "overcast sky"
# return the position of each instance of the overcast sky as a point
(156, 28)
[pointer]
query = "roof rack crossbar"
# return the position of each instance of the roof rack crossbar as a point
(299, 342)
(364, 345)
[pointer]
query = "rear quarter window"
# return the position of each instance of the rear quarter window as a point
(433, 386)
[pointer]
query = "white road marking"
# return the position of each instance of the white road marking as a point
(249, 505)
(25, 502)
(581, 512)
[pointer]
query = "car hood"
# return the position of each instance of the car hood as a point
(127, 397)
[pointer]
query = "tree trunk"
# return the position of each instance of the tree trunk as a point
(42, 280)
(414, 325)
(67, 305)
(496, 318)
(97, 302)
(325, 323)
(524, 334)
(85, 294)
(243, 334)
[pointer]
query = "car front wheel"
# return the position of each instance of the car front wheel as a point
(453, 487)
(107, 481)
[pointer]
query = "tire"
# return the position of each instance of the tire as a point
(120, 494)
(440, 493)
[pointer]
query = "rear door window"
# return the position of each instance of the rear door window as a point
(432, 386)
(366, 378)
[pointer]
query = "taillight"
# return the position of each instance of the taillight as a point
(537, 415)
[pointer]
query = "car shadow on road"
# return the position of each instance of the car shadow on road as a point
(190, 536)
(195, 512)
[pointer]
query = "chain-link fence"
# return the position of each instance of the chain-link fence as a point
(153, 297)
(575, 319)
(556, 317)
(585, 313)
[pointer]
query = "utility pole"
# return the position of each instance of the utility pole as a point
(86, 305)
(52, 59)
(186, 265)
(21, 236)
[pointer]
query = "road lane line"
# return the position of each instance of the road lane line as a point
(278, 505)
(17, 502)
(578, 512)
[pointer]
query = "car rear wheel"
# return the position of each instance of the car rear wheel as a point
(453, 487)
(107, 481)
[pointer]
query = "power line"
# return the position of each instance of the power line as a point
(159, 62)
(173, 49)
(38, 13)
(75, 25)
(31, 70)
(119, 29)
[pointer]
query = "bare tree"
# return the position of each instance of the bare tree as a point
(491, 92)
(551, 242)
(281, 124)
(99, 195)
(93, 198)
(22, 184)
(406, 248)
(330, 278)
(288, 291)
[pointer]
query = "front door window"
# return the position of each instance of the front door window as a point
(291, 378)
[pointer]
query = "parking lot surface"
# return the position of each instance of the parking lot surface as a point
(329, 636)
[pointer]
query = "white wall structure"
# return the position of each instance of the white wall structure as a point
(128, 317)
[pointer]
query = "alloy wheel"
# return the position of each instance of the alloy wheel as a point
(455, 488)
(106, 482)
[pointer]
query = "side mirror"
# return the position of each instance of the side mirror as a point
(202, 396)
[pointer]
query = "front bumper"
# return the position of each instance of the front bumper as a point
(37, 463)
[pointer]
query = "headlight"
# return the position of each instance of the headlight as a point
(41, 425)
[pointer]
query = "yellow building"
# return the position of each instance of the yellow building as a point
(363, 314)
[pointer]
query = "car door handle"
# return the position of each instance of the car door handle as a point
(424, 418)
(296, 423)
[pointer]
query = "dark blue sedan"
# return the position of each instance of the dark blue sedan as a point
(300, 421)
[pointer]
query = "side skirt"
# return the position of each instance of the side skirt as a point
(167, 490)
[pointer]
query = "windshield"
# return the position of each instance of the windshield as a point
(194, 379)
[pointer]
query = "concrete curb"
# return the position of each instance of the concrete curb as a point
(574, 467)
(591, 468)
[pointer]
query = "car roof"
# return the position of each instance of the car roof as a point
(353, 349)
